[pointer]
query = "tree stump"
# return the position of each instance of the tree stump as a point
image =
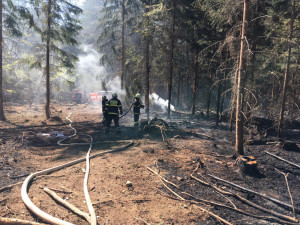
(291, 146)
(248, 165)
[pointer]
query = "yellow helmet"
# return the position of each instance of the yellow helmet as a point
(138, 95)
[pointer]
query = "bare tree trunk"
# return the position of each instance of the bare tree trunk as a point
(195, 83)
(2, 116)
(233, 101)
(287, 71)
(239, 148)
(218, 106)
(179, 84)
(123, 45)
(170, 80)
(208, 100)
(47, 107)
(147, 66)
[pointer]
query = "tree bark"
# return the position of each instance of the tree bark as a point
(233, 107)
(147, 66)
(195, 83)
(179, 85)
(170, 80)
(123, 45)
(287, 71)
(47, 107)
(208, 102)
(218, 106)
(2, 116)
(239, 148)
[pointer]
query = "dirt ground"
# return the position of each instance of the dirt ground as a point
(192, 142)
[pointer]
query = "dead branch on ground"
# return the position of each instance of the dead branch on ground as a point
(202, 209)
(253, 192)
(284, 217)
(57, 190)
(12, 221)
(68, 205)
(289, 191)
(9, 186)
(284, 160)
(199, 201)
(169, 182)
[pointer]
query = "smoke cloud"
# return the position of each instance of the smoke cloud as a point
(92, 77)
(160, 102)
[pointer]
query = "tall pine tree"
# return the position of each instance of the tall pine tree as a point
(57, 25)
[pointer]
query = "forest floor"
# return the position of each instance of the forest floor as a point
(193, 146)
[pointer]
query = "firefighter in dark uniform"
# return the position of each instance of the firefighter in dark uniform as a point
(137, 105)
(104, 109)
(114, 106)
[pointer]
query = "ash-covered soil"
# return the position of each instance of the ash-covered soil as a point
(193, 146)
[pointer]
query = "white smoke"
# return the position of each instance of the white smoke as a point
(160, 102)
(91, 75)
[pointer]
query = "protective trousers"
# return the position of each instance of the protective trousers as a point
(136, 119)
(111, 117)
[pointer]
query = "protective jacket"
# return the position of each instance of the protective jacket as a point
(137, 105)
(104, 105)
(114, 106)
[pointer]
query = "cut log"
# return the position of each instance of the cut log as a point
(248, 165)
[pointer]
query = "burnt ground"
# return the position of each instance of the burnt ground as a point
(192, 142)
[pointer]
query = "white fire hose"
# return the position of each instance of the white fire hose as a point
(46, 217)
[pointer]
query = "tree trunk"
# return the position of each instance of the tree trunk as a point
(147, 67)
(123, 45)
(218, 102)
(47, 107)
(171, 60)
(239, 148)
(208, 99)
(2, 117)
(233, 101)
(195, 83)
(180, 78)
(287, 71)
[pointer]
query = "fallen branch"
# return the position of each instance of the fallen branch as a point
(68, 205)
(284, 160)
(9, 186)
(234, 209)
(57, 190)
(217, 192)
(289, 191)
(11, 221)
(202, 209)
(169, 182)
(284, 217)
(253, 192)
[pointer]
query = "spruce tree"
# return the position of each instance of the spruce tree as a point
(57, 25)
(10, 15)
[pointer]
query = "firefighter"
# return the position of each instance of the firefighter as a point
(114, 106)
(104, 109)
(137, 105)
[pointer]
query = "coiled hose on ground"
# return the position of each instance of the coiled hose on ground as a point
(45, 216)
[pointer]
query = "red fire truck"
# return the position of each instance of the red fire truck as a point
(95, 98)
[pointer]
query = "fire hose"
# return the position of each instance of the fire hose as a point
(127, 111)
(45, 216)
